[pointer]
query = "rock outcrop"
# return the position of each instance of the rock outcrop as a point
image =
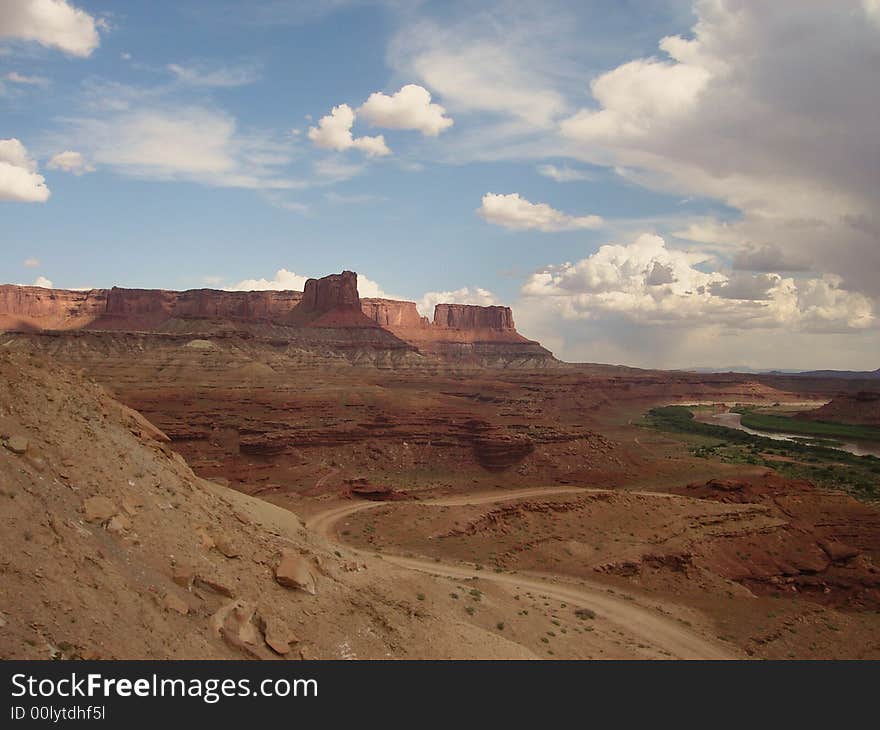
(861, 408)
(472, 317)
(36, 308)
(394, 314)
(328, 315)
(331, 301)
(152, 307)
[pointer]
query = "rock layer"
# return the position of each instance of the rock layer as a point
(472, 317)
(460, 332)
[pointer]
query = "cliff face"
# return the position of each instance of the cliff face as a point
(33, 308)
(394, 314)
(157, 303)
(472, 317)
(331, 301)
(459, 332)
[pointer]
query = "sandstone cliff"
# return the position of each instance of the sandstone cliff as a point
(331, 301)
(392, 313)
(31, 307)
(330, 305)
(34, 308)
(472, 317)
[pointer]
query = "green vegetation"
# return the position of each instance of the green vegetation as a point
(752, 418)
(819, 463)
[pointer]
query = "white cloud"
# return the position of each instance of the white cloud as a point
(489, 61)
(370, 289)
(31, 263)
(769, 108)
(647, 283)
(70, 161)
(518, 214)
(283, 280)
(334, 132)
(14, 77)
(409, 108)
(41, 281)
(465, 295)
(562, 174)
(221, 76)
(19, 179)
(52, 23)
(189, 143)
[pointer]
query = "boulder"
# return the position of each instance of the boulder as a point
(119, 523)
(236, 624)
(17, 444)
(183, 575)
(226, 547)
(294, 571)
(213, 585)
(276, 633)
(98, 509)
(173, 603)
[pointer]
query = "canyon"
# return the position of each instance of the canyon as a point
(204, 456)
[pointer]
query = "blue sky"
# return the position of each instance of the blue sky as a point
(626, 194)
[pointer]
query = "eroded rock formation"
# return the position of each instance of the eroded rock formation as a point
(331, 304)
(472, 317)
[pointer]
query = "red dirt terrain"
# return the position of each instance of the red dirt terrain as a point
(861, 408)
(129, 526)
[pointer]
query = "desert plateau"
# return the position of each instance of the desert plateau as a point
(293, 475)
(440, 354)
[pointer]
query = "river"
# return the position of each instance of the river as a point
(729, 419)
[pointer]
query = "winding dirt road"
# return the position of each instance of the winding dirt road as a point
(643, 624)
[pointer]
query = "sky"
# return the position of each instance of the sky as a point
(666, 183)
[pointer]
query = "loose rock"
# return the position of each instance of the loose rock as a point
(293, 571)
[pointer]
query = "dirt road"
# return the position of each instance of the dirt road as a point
(644, 625)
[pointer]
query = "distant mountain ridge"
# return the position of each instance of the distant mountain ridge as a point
(848, 374)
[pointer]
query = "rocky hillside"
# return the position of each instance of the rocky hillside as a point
(112, 548)
(861, 408)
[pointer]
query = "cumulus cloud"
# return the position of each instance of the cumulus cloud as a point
(70, 161)
(562, 174)
(465, 295)
(334, 133)
(19, 179)
(767, 257)
(190, 143)
(518, 214)
(52, 23)
(283, 280)
(646, 283)
(31, 263)
(774, 127)
(40, 281)
(409, 108)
